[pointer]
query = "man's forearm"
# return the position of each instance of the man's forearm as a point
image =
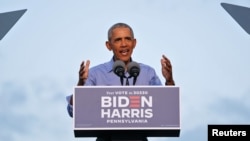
(171, 82)
(81, 82)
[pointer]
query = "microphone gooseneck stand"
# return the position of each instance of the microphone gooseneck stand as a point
(119, 69)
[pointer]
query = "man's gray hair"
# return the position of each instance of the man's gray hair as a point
(117, 25)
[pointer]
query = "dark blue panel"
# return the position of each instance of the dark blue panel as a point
(8, 20)
(240, 14)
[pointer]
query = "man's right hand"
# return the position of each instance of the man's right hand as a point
(83, 76)
(83, 73)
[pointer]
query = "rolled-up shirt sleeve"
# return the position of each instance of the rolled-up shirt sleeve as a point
(69, 106)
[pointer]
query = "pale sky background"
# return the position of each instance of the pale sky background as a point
(40, 57)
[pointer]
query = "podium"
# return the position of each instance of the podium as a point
(126, 112)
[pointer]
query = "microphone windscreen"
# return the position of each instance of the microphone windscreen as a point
(119, 68)
(133, 69)
(118, 63)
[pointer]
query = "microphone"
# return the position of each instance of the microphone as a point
(119, 69)
(134, 70)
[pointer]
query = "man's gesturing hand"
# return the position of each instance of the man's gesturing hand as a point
(83, 76)
(167, 70)
(83, 73)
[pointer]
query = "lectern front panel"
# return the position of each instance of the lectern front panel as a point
(152, 109)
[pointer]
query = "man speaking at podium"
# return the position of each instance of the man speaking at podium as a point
(121, 69)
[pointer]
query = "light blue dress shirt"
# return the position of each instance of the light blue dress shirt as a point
(103, 75)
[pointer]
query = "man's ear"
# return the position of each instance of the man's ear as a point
(134, 43)
(108, 45)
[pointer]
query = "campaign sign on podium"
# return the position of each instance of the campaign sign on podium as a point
(151, 111)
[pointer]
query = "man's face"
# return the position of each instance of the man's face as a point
(122, 44)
